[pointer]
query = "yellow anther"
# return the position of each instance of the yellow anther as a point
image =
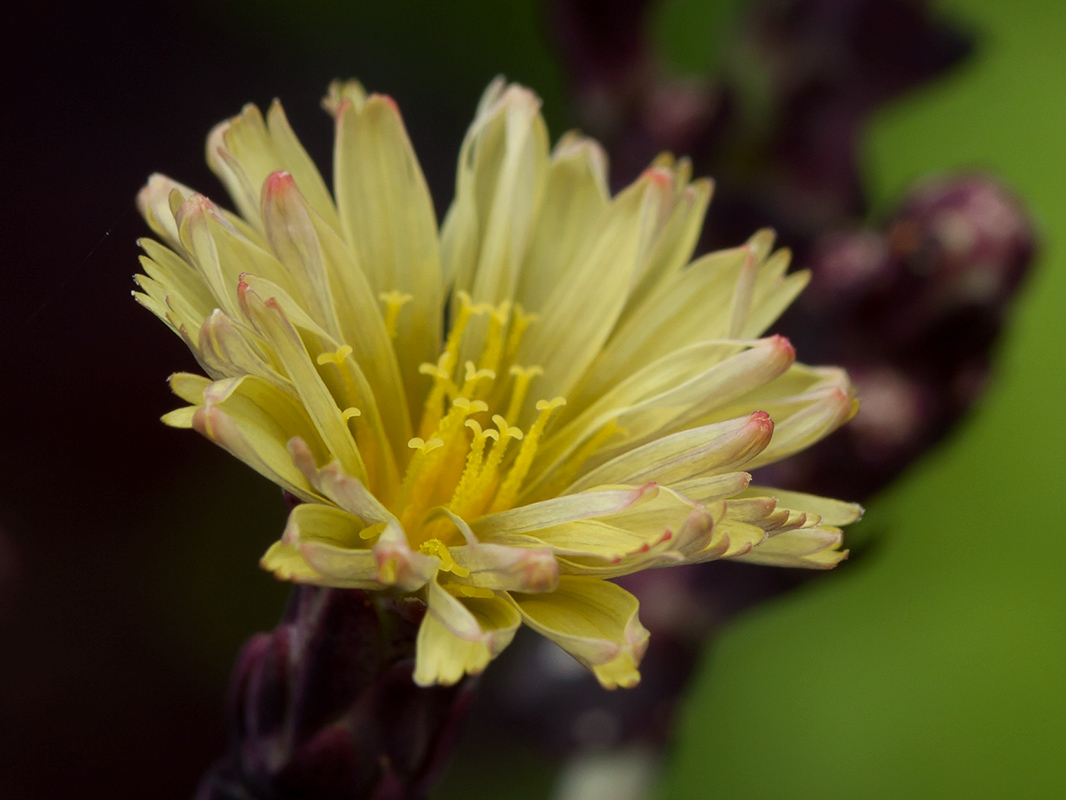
(470, 406)
(506, 431)
(370, 531)
(472, 373)
(351, 412)
(522, 377)
(394, 301)
(507, 493)
(550, 405)
(435, 547)
(424, 447)
(442, 369)
(336, 357)
(473, 376)
(461, 408)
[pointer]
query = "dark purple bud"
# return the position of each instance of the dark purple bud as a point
(325, 706)
(873, 49)
(913, 310)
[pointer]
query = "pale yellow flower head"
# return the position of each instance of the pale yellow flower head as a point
(498, 415)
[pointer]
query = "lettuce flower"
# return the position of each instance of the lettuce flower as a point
(499, 415)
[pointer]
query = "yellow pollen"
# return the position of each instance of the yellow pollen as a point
(473, 465)
(435, 547)
(351, 412)
(336, 358)
(394, 301)
(438, 473)
(482, 485)
(522, 377)
(505, 497)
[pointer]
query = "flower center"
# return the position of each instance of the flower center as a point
(464, 459)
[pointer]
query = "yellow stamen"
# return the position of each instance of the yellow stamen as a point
(522, 377)
(394, 301)
(507, 430)
(344, 389)
(505, 497)
(442, 470)
(370, 531)
(462, 408)
(435, 547)
(455, 336)
(336, 358)
(472, 377)
(415, 468)
(490, 356)
(474, 460)
(443, 386)
(519, 323)
(484, 483)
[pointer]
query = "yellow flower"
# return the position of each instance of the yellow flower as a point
(501, 415)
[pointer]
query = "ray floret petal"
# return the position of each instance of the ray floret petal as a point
(500, 413)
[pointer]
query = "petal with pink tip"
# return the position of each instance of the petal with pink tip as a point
(595, 622)
(688, 454)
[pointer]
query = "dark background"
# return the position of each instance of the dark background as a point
(130, 554)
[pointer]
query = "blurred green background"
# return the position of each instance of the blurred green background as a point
(935, 666)
(931, 667)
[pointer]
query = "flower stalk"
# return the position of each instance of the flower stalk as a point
(324, 706)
